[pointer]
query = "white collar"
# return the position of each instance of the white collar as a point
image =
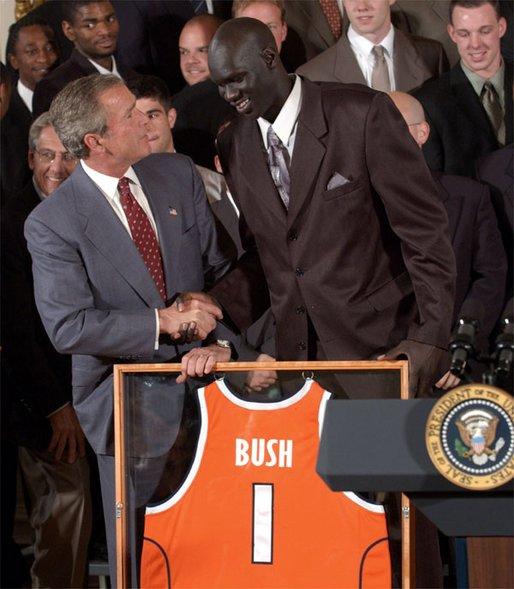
(285, 122)
(103, 70)
(109, 184)
(365, 46)
(26, 94)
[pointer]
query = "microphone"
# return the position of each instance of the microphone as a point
(505, 347)
(462, 345)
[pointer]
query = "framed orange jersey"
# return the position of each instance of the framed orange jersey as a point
(252, 511)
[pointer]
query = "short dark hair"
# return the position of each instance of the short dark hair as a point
(71, 7)
(26, 21)
(150, 87)
(475, 4)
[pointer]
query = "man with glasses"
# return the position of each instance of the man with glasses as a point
(38, 380)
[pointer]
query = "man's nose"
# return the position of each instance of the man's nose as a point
(57, 166)
(475, 40)
(230, 93)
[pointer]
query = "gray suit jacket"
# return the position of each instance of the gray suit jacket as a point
(415, 60)
(95, 295)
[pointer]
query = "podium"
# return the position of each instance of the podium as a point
(375, 445)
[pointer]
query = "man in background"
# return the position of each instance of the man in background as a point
(92, 26)
(200, 109)
(374, 52)
(469, 109)
(38, 380)
(31, 53)
(476, 241)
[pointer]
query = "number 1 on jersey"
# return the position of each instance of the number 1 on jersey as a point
(262, 523)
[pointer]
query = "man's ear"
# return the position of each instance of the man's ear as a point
(93, 143)
(269, 55)
(172, 117)
(13, 61)
(31, 159)
(68, 30)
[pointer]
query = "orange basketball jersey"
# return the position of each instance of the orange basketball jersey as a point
(252, 511)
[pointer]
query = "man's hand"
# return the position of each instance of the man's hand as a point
(67, 441)
(200, 361)
(188, 301)
(424, 361)
(448, 381)
(194, 324)
(259, 380)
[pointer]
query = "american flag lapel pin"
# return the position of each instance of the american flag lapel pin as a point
(173, 211)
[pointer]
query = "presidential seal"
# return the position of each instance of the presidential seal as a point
(470, 436)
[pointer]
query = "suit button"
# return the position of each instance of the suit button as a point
(299, 271)
(301, 346)
(293, 236)
(300, 310)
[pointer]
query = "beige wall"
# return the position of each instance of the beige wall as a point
(6, 19)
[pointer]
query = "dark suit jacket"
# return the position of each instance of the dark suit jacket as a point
(77, 66)
(460, 131)
(14, 131)
(97, 299)
(200, 113)
(148, 37)
(39, 379)
(479, 253)
(368, 262)
(415, 60)
(497, 170)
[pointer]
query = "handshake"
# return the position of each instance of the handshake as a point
(191, 317)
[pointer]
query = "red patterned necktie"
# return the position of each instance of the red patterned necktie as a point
(333, 15)
(143, 235)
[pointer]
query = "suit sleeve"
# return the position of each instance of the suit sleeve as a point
(416, 215)
(486, 294)
(66, 303)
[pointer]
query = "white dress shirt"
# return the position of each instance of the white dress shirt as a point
(108, 186)
(26, 94)
(286, 123)
(103, 70)
(362, 49)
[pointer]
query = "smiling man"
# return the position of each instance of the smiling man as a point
(92, 27)
(31, 53)
(52, 445)
(469, 109)
(193, 46)
(310, 165)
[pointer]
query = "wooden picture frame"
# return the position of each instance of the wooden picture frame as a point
(120, 370)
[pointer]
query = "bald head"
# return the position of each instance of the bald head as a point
(244, 63)
(413, 114)
(193, 45)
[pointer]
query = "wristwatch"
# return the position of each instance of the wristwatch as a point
(224, 343)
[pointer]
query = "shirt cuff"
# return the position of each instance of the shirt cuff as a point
(157, 330)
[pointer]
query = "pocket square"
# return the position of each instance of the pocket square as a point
(337, 180)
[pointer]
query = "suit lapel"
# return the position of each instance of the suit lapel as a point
(169, 226)
(441, 9)
(409, 69)
(308, 151)
(107, 233)
(469, 102)
(318, 21)
(257, 174)
(346, 67)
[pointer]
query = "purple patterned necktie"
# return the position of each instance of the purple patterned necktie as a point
(278, 161)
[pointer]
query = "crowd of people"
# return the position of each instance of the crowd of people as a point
(204, 180)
